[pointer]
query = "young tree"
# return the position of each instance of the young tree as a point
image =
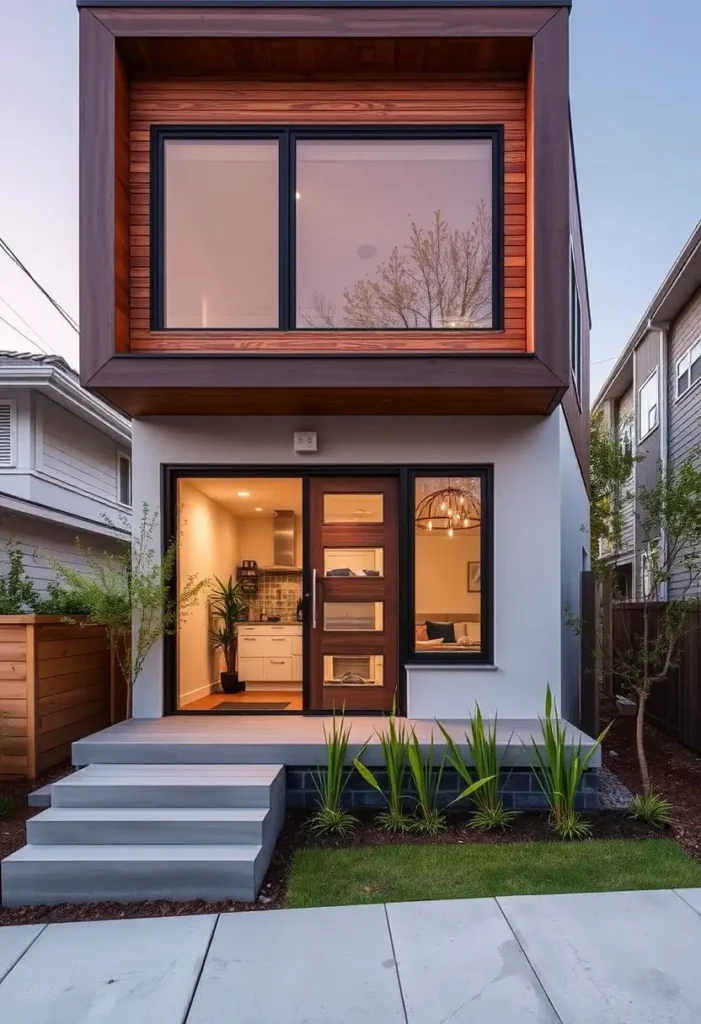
(132, 596)
(667, 553)
(440, 277)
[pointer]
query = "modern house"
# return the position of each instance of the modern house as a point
(652, 401)
(332, 266)
(65, 466)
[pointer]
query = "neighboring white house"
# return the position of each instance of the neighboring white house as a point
(65, 465)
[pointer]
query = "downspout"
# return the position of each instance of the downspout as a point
(663, 328)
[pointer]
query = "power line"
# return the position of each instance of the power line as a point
(22, 334)
(4, 247)
(42, 344)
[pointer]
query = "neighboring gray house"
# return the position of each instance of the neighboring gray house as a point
(652, 397)
(65, 465)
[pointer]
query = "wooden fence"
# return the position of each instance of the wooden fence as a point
(674, 705)
(56, 685)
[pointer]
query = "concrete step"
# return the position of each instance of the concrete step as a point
(40, 797)
(151, 825)
(170, 785)
(37, 875)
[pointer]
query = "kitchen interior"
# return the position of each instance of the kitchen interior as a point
(249, 530)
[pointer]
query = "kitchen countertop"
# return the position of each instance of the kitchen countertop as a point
(267, 622)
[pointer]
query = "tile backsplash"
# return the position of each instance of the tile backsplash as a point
(278, 594)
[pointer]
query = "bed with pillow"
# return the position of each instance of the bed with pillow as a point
(447, 632)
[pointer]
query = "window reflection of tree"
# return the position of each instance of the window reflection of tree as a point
(439, 278)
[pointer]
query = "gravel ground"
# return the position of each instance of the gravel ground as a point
(614, 796)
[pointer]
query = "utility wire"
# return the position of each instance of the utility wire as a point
(21, 334)
(4, 247)
(42, 344)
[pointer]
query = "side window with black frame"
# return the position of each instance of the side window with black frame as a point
(575, 327)
(452, 567)
(124, 479)
(331, 229)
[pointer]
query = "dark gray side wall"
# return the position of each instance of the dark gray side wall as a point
(684, 416)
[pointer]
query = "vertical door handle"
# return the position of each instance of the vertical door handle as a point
(313, 598)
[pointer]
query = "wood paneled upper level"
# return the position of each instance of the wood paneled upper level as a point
(452, 315)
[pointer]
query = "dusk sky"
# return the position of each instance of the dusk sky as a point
(636, 86)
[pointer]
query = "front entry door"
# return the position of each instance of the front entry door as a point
(354, 600)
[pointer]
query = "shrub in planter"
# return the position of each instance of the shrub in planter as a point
(228, 607)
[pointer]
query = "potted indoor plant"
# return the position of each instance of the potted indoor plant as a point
(228, 608)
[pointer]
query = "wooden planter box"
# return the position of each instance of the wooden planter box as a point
(55, 681)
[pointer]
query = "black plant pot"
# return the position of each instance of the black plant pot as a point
(230, 682)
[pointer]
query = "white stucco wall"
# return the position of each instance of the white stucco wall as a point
(528, 586)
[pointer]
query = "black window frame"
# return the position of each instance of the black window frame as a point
(123, 457)
(485, 655)
(287, 136)
(575, 327)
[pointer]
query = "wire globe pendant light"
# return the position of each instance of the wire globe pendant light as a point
(450, 510)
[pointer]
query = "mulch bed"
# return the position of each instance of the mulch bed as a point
(675, 773)
(295, 835)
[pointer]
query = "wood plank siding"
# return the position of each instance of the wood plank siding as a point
(55, 685)
(429, 102)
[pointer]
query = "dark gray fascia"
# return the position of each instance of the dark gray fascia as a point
(323, 3)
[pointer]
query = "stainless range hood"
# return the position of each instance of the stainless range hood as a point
(284, 542)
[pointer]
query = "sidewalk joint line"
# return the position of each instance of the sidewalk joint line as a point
(528, 961)
(396, 964)
(689, 905)
(24, 952)
(198, 979)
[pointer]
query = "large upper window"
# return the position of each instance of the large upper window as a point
(649, 405)
(689, 369)
(221, 233)
(451, 568)
(355, 229)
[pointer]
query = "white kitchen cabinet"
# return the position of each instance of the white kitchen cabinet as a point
(277, 670)
(269, 652)
(251, 670)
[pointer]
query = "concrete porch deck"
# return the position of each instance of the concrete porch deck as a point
(284, 739)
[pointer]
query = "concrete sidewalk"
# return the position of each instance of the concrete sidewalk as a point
(603, 958)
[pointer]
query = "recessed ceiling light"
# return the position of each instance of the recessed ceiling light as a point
(259, 509)
(244, 494)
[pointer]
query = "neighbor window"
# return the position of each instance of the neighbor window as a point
(391, 228)
(451, 581)
(689, 369)
(648, 405)
(124, 480)
(625, 436)
(8, 432)
(575, 327)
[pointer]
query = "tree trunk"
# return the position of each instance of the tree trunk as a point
(128, 701)
(640, 744)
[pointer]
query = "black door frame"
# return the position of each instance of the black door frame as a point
(406, 474)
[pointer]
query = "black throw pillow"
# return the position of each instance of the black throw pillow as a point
(441, 631)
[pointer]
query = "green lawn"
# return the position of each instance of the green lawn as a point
(327, 878)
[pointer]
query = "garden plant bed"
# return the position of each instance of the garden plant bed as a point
(675, 772)
(670, 866)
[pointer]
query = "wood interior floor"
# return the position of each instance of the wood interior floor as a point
(293, 697)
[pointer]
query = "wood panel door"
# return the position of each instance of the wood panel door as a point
(354, 609)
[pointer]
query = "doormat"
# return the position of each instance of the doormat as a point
(247, 705)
